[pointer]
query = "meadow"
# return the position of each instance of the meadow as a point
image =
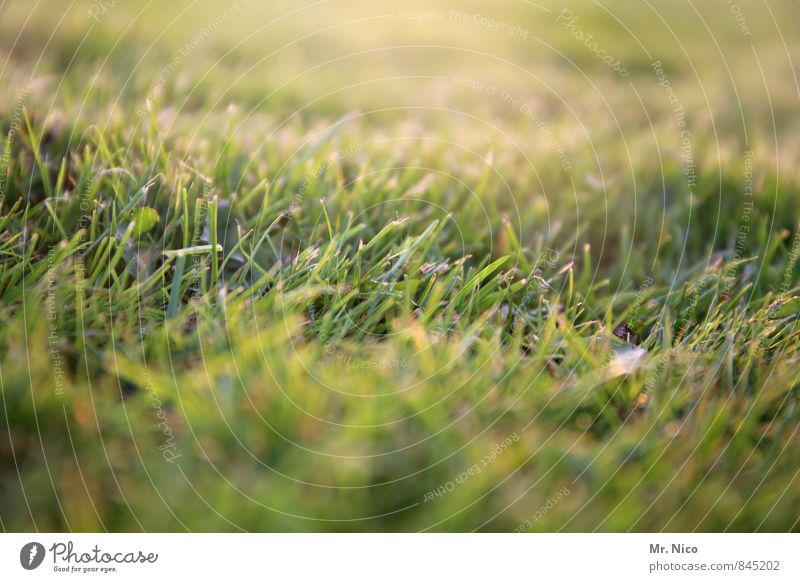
(350, 266)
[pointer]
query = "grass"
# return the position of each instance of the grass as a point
(247, 284)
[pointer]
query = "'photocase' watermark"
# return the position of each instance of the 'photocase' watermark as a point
(169, 448)
(100, 8)
(569, 20)
(794, 252)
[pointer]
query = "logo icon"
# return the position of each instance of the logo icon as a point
(31, 555)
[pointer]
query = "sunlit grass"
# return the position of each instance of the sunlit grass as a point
(235, 300)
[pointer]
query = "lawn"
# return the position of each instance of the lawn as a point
(350, 266)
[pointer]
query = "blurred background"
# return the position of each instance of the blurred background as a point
(328, 57)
